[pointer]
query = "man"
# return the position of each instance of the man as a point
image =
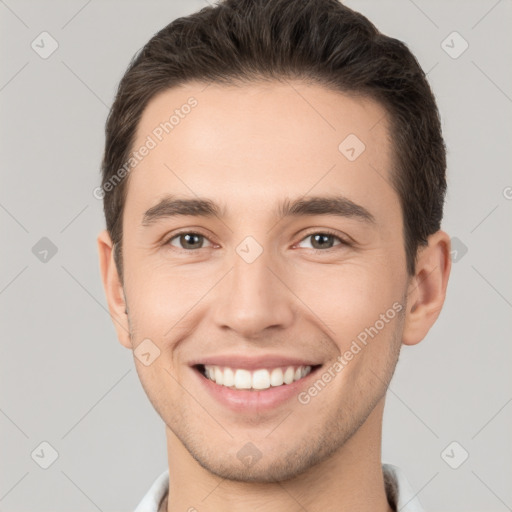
(273, 180)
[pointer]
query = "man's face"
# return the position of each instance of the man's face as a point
(251, 289)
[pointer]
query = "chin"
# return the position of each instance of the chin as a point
(267, 466)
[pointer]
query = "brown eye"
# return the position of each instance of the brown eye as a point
(188, 241)
(322, 240)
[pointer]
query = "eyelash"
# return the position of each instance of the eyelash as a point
(342, 241)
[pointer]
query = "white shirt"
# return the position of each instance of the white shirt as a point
(398, 491)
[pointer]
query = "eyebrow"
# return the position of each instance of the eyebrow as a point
(340, 206)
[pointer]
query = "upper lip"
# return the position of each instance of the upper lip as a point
(252, 362)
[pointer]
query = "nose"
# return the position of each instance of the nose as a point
(253, 299)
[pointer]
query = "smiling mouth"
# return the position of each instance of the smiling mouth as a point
(257, 380)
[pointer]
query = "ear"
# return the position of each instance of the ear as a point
(113, 289)
(427, 288)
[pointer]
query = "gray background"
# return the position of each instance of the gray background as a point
(66, 380)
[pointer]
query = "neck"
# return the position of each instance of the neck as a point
(351, 479)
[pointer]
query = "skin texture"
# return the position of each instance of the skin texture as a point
(247, 148)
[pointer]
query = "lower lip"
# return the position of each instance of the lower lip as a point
(241, 400)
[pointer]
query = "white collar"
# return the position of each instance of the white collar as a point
(398, 490)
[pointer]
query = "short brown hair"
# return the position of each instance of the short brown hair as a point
(319, 41)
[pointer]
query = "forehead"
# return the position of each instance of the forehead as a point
(250, 144)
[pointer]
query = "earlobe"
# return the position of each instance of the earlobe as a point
(113, 289)
(427, 289)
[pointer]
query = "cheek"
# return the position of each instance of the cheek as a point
(163, 298)
(360, 311)
(351, 300)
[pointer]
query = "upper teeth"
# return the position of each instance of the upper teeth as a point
(258, 379)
